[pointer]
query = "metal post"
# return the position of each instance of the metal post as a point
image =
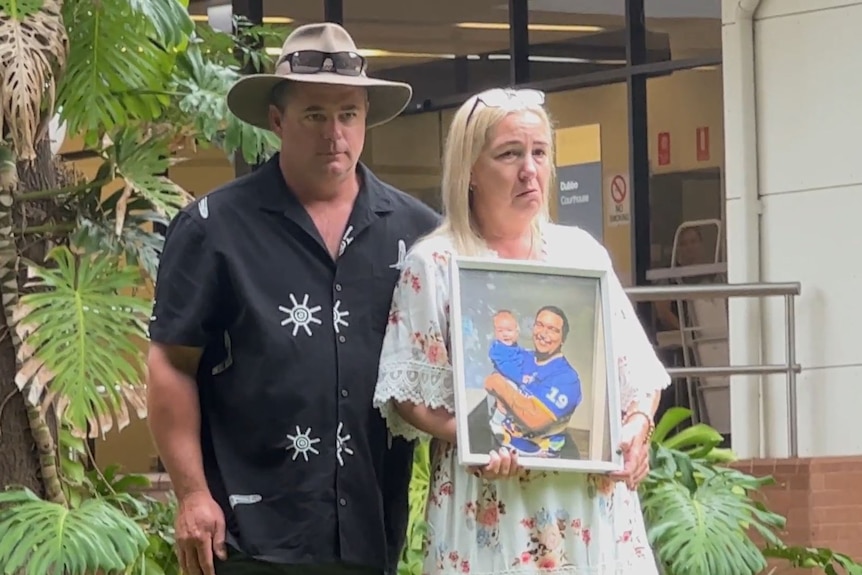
(333, 11)
(253, 11)
(790, 326)
(638, 144)
(519, 42)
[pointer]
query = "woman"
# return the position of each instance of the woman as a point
(502, 519)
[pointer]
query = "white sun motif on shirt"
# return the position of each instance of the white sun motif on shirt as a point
(338, 317)
(346, 240)
(341, 444)
(300, 315)
(302, 443)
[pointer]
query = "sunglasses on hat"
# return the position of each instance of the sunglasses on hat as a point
(313, 61)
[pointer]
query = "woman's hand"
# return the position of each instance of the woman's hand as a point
(504, 463)
(635, 451)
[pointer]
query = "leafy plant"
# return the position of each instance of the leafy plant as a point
(701, 514)
(79, 333)
(155, 517)
(45, 537)
(142, 86)
(412, 555)
(830, 562)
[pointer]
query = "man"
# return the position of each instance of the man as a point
(271, 303)
(536, 391)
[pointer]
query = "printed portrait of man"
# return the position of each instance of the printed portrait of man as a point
(537, 390)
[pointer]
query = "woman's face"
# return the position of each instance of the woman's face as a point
(511, 175)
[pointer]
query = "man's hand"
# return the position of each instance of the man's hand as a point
(635, 452)
(200, 531)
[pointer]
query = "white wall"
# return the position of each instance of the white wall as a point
(808, 96)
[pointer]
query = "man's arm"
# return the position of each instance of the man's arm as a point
(542, 403)
(186, 316)
(528, 409)
(174, 415)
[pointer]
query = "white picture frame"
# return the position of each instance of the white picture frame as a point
(491, 297)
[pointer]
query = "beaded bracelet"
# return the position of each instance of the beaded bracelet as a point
(628, 417)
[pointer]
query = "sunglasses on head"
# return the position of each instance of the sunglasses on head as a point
(314, 61)
(503, 97)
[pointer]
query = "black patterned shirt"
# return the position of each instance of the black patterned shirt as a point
(294, 451)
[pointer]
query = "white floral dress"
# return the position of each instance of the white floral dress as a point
(542, 522)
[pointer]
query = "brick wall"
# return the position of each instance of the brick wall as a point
(821, 499)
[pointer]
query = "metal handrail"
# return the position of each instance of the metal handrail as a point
(706, 291)
(790, 368)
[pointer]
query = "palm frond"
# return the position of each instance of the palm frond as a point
(121, 55)
(203, 85)
(78, 335)
(33, 51)
(42, 538)
(705, 530)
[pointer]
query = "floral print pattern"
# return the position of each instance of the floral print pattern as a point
(541, 522)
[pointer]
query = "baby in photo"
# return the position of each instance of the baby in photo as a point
(506, 331)
(506, 328)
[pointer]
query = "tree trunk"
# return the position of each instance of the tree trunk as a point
(19, 455)
(19, 460)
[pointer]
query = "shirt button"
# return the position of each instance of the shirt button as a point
(344, 393)
(342, 339)
(342, 501)
(337, 287)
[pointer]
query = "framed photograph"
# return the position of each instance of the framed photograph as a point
(533, 364)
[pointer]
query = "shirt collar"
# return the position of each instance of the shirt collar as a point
(373, 201)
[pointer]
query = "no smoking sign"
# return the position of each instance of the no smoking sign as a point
(618, 191)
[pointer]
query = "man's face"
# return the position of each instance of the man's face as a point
(322, 129)
(547, 332)
(690, 248)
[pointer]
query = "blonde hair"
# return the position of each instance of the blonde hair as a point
(469, 133)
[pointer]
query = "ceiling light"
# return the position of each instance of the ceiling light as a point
(560, 60)
(532, 27)
(377, 53)
(266, 19)
(277, 20)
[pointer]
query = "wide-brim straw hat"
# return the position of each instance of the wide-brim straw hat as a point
(250, 97)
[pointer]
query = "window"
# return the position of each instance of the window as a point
(680, 29)
(686, 158)
(591, 129)
(439, 48)
(573, 37)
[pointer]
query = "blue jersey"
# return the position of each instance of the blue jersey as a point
(555, 384)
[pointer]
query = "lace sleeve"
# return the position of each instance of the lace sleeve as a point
(414, 362)
(641, 373)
